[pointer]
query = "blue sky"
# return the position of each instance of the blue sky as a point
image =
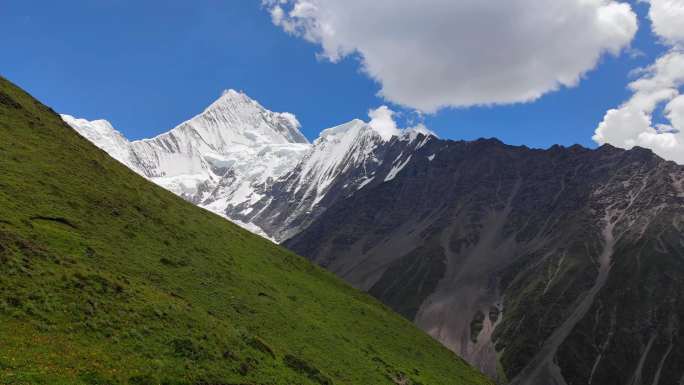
(148, 65)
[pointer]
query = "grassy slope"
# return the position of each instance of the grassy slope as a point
(106, 278)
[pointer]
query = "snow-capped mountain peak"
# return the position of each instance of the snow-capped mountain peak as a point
(218, 159)
(228, 135)
(337, 150)
(336, 132)
(254, 166)
(235, 118)
(104, 135)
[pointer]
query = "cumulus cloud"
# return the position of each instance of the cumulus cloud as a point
(430, 54)
(382, 121)
(667, 17)
(660, 84)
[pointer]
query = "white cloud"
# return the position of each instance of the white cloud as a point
(658, 85)
(675, 112)
(430, 54)
(382, 121)
(667, 17)
(277, 15)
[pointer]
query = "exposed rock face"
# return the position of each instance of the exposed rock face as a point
(559, 266)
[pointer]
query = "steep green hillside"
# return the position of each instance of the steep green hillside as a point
(108, 279)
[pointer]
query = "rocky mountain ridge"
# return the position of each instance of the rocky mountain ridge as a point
(559, 266)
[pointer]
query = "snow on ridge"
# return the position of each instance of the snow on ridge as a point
(365, 182)
(412, 133)
(340, 130)
(235, 118)
(355, 126)
(104, 135)
(396, 169)
(340, 146)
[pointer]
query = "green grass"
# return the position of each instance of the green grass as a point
(108, 279)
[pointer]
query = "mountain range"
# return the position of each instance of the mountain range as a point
(108, 279)
(555, 266)
(254, 166)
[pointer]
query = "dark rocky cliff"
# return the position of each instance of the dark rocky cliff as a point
(559, 266)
